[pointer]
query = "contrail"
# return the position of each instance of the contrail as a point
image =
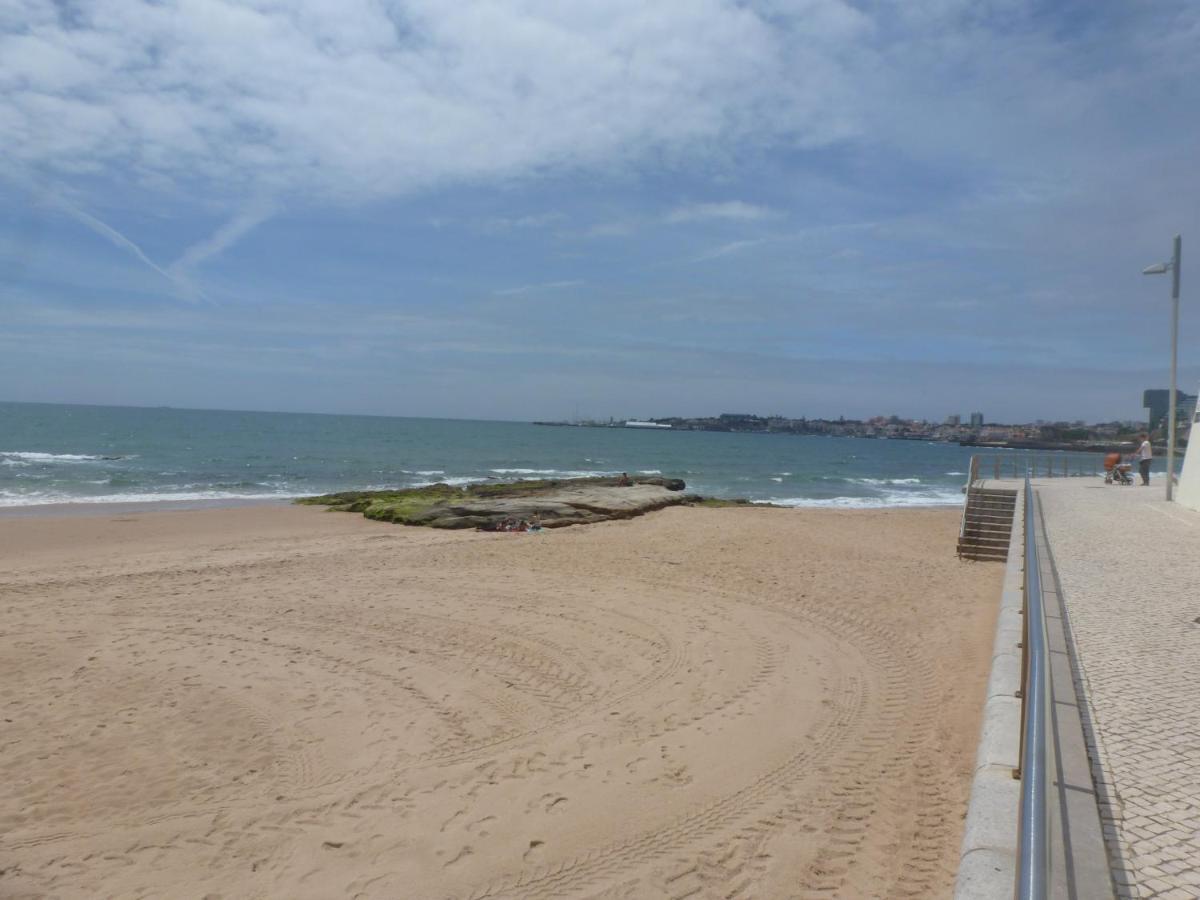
(105, 230)
(224, 237)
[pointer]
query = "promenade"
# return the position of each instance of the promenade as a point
(1129, 570)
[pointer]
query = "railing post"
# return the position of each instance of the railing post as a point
(972, 475)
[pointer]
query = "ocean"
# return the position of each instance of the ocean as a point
(94, 454)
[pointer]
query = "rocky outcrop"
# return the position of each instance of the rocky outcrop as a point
(550, 504)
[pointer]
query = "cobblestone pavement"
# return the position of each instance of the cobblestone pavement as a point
(1129, 564)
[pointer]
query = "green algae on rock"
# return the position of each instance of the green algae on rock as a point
(552, 503)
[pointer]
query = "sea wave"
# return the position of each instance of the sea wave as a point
(556, 473)
(11, 499)
(885, 480)
(28, 456)
(885, 500)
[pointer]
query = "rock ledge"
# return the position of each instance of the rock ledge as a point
(551, 503)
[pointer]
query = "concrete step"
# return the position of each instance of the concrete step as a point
(984, 545)
(991, 537)
(978, 541)
(982, 556)
(986, 534)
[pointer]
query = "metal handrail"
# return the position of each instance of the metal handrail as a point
(972, 477)
(1061, 464)
(1036, 734)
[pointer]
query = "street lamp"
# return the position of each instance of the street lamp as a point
(1162, 269)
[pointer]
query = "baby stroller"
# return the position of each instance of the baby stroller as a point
(1115, 471)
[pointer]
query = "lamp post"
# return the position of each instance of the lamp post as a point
(1162, 269)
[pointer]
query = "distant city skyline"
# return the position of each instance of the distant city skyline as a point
(619, 418)
(509, 212)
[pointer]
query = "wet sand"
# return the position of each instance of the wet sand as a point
(286, 702)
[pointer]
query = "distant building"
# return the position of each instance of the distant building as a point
(1158, 401)
(976, 420)
(954, 420)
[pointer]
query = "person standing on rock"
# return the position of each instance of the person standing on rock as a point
(1144, 455)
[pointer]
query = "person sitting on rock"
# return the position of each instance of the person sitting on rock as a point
(624, 481)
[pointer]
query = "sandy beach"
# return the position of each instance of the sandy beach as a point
(287, 702)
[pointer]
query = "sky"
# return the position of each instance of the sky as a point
(522, 210)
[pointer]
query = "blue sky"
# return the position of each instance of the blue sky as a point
(519, 210)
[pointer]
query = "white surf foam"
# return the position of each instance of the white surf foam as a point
(35, 456)
(887, 500)
(453, 480)
(555, 473)
(8, 498)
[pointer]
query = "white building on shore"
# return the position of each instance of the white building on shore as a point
(1188, 493)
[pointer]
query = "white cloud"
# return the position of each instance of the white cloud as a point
(354, 99)
(499, 224)
(532, 288)
(734, 210)
(728, 248)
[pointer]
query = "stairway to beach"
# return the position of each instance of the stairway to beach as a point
(987, 524)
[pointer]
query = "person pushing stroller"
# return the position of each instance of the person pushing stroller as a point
(1144, 456)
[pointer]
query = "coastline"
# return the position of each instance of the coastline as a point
(106, 508)
(319, 703)
(107, 455)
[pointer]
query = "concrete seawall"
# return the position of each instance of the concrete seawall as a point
(987, 863)
(1078, 865)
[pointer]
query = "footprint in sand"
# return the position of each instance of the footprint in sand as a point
(464, 852)
(548, 803)
(478, 825)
